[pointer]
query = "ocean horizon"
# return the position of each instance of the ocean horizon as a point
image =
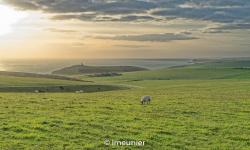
(48, 65)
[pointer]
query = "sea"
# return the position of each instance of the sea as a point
(46, 66)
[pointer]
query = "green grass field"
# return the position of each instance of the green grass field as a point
(32, 84)
(192, 108)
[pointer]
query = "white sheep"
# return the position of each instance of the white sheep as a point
(80, 91)
(145, 99)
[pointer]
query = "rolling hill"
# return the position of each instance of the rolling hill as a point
(204, 70)
(11, 82)
(201, 106)
(35, 75)
(82, 69)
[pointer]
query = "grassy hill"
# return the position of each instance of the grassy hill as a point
(31, 81)
(204, 70)
(82, 69)
(184, 114)
(184, 73)
(32, 84)
(223, 63)
(201, 106)
(34, 75)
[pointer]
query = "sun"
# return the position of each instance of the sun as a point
(9, 17)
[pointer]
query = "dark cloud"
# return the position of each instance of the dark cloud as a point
(166, 37)
(223, 11)
(214, 31)
(234, 27)
(122, 6)
(96, 17)
(136, 18)
(24, 4)
(186, 32)
(85, 17)
(228, 28)
(223, 15)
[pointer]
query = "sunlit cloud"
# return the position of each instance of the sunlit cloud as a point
(98, 28)
(61, 30)
(155, 10)
(165, 37)
(8, 18)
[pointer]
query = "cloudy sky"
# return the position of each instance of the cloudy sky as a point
(124, 28)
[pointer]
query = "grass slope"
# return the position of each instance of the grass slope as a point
(224, 63)
(82, 69)
(183, 73)
(184, 114)
(34, 75)
(202, 70)
(30, 84)
(30, 81)
(193, 107)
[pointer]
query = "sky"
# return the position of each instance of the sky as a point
(124, 29)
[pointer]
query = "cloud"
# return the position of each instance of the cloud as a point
(23, 4)
(166, 37)
(222, 11)
(234, 26)
(95, 17)
(85, 17)
(131, 46)
(214, 31)
(222, 15)
(61, 30)
(136, 18)
(228, 28)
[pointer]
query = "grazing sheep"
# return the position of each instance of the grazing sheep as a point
(39, 91)
(80, 91)
(145, 99)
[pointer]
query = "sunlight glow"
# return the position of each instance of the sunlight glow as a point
(2, 68)
(9, 17)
